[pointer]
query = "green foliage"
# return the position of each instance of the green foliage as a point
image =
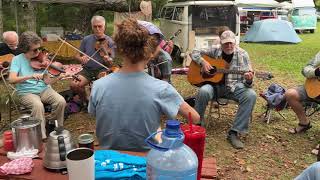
(287, 59)
(156, 7)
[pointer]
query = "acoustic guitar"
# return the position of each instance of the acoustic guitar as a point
(198, 78)
(312, 86)
(7, 57)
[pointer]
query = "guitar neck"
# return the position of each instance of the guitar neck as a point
(228, 71)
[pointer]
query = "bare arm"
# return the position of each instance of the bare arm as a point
(184, 110)
(14, 78)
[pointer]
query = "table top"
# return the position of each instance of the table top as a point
(40, 172)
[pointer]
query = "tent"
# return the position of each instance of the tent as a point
(257, 3)
(272, 30)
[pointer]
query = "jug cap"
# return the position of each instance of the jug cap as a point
(85, 138)
(172, 128)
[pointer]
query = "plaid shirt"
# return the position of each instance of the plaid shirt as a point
(240, 61)
(308, 70)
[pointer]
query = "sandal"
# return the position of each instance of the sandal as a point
(304, 128)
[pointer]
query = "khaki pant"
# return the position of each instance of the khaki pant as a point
(35, 103)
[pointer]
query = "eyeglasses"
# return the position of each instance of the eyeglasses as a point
(97, 26)
(36, 50)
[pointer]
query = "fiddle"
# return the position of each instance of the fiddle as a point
(42, 62)
(105, 51)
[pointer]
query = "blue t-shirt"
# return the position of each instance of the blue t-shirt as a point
(128, 106)
(88, 45)
(22, 67)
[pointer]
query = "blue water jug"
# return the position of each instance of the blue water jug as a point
(171, 159)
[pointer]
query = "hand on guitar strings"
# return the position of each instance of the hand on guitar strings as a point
(205, 66)
(248, 76)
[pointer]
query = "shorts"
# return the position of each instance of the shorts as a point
(90, 75)
(304, 96)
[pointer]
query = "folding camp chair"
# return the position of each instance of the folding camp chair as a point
(12, 102)
(311, 107)
(269, 108)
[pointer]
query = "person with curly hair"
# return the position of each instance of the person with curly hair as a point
(33, 85)
(128, 104)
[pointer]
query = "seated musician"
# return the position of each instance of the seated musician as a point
(33, 85)
(93, 45)
(161, 64)
(296, 96)
(233, 86)
(128, 104)
(10, 44)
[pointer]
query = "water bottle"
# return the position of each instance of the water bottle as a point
(171, 159)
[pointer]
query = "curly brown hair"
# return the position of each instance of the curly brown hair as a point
(133, 41)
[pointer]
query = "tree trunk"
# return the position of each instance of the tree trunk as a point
(1, 19)
(30, 16)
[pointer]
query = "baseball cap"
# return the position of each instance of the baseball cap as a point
(152, 29)
(227, 36)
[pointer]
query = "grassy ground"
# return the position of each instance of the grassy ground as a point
(270, 152)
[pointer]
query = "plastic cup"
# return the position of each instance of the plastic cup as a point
(195, 139)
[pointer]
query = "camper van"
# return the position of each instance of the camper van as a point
(303, 15)
(303, 18)
(199, 22)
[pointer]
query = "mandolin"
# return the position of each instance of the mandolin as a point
(198, 78)
(312, 86)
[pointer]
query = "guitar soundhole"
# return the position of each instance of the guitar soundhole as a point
(213, 71)
(209, 74)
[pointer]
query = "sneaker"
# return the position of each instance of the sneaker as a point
(235, 141)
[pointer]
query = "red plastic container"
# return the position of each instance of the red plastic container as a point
(7, 141)
(8, 145)
(7, 135)
(195, 139)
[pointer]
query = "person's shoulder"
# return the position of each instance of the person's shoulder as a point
(109, 39)
(105, 80)
(18, 57)
(158, 85)
(88, 37)
(242, 51)
(2, 45)
(165, 55)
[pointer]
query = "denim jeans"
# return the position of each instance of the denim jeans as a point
(246, 97)
(311, 173)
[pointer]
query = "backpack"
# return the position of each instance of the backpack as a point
(275, 96)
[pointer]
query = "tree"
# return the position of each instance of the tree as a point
(1, 17)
